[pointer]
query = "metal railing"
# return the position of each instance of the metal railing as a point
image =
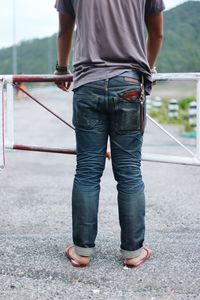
(7, 117)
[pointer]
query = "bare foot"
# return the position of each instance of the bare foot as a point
(135, 262)
(77, 258)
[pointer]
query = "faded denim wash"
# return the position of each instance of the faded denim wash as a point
(100, 111)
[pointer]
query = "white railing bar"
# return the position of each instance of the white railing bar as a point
(161, 158)
(176, 76)
(195, 160)
(159, 77)
(170, 135)
(192, 161)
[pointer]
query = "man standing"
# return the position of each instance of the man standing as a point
(112, 75)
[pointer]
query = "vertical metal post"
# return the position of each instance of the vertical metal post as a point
(198, 118)
(9, 115)
(2, 150)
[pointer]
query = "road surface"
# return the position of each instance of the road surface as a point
(35, 219)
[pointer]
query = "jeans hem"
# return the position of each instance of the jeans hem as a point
(83, 251)
(131, 254)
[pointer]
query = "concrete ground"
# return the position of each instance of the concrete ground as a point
(35, 219)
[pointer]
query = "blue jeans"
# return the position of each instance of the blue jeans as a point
(102, 111)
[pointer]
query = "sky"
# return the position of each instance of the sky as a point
(33, 19)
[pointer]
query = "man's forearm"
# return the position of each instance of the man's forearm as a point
(155, 37)
(154, 44)
(64, 43)
(64, 40)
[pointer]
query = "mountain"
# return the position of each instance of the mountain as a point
(37, 56)
(180, 52)
(181, 48)
(32, 56)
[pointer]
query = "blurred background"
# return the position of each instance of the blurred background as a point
(28, 37)
(28, 46)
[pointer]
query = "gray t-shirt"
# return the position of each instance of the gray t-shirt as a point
(109, 37)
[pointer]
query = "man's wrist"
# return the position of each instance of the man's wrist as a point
(61, 69)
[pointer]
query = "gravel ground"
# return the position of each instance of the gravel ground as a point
(35, 220)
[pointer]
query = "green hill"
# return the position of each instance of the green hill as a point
(180, 53)
(37, 56)
(181, 48)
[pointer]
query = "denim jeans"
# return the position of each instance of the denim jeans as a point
(101, 111)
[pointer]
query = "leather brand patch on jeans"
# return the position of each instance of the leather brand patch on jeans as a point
(130, 79)
(131, 95)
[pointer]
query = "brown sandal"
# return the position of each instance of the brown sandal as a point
(147, 256)
(72, 261)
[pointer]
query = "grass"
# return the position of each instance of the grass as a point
(161, 115)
